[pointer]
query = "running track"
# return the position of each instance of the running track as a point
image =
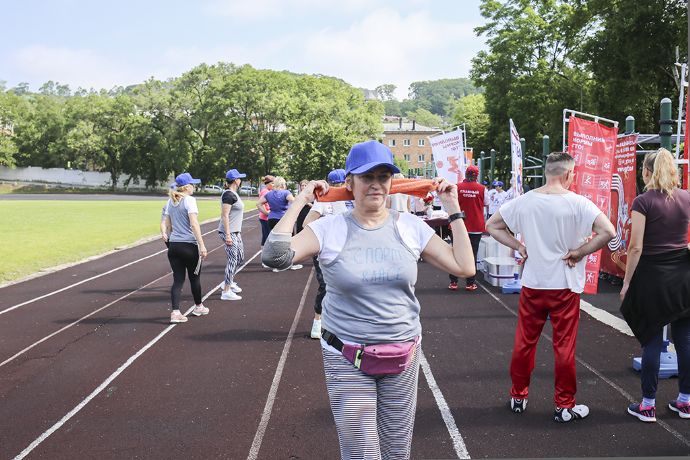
(90, 368)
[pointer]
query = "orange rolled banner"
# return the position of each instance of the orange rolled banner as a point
(415, 187)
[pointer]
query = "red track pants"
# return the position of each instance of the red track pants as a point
(563, 307)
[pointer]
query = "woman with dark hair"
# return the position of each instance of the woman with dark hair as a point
(656, 288)
(229, 230)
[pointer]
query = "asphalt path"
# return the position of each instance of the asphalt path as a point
(90, 368)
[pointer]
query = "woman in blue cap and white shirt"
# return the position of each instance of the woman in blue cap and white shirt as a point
(369, 260)
(229, 228)
(186, 247)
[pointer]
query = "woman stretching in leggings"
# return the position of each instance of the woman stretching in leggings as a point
(186, 247)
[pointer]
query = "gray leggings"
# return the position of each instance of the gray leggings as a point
(374, 416)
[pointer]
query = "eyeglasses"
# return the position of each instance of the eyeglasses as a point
(370, 178)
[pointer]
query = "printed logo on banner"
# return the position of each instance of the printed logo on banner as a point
(602, 202)
(591, 161)
(587, 180)
(593, 258)
(606, 165)
(604, 182)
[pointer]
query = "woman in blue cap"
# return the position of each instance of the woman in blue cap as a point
(186, 247)
(229, 230)
(369, 257)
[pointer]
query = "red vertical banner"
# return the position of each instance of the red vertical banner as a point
(592, 145)
(623, 191)
(686, 146)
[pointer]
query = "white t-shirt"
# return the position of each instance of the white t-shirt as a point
(331, 233)
(399, 202)
(551, 225)
(496, 199)
(334, 207)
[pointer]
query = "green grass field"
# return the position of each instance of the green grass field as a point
(42, 234)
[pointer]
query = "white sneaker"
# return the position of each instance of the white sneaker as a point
(296, 267)
(177, 317)
(275, 270)
(229, 295)
(316, 329)
(564, 415)
(235, 288)
(264, 265)
(200, 310)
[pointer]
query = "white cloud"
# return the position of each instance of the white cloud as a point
(263, 9)
(387, 47)
(75, 67)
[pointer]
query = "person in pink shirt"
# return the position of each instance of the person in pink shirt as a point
(265, 209)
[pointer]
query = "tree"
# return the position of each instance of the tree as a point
(426, 118)
(530, 43)
(631, 55)
(471, 111)
(438, 96)
(386, 92)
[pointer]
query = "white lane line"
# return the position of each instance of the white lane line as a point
(266, 416)
(455, 436)
(112, 377)
(14, 307)
(88, 315)
(606, 318)
(591, 368)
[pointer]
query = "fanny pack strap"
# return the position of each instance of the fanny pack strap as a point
(332, 340)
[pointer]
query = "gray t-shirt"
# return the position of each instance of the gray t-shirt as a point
(370, 295)
(179, 218)
(236, 211)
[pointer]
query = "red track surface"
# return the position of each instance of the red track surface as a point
(199, 392)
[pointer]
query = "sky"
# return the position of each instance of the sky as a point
(98, 44)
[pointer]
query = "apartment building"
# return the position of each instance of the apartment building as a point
(409, 141)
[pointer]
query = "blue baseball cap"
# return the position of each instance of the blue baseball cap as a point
(365, 156)
(337, 176)
(234, 174)
(186, 179)
(498, 183)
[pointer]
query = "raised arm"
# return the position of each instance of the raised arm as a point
(282, 249)
(457, 259)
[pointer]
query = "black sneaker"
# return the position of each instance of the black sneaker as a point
(565, 414)
(518, 405)
(643, 413)
(683, 410)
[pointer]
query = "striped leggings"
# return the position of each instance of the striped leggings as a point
(235, 253)
(374, 416)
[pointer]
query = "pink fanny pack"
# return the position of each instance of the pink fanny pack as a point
(382, 358)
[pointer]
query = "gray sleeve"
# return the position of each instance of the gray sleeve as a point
(277, 252)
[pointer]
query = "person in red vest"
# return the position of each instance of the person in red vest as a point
(472, 202)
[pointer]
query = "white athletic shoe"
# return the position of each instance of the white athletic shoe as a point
(235, 288)
(316, 329)
(200, 310)
(296, 267)
(229, 295)
(564, 415)
(177, 317)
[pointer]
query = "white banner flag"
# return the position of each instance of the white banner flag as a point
(516, 157)
(448, 151)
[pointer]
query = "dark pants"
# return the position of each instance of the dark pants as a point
(651, 352)
(265, 230)
(563, 307)
(184, 257)
(321, 290)
(272, 223)
(475, 238)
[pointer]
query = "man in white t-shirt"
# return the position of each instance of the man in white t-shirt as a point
(556, 225)
(336, 178)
